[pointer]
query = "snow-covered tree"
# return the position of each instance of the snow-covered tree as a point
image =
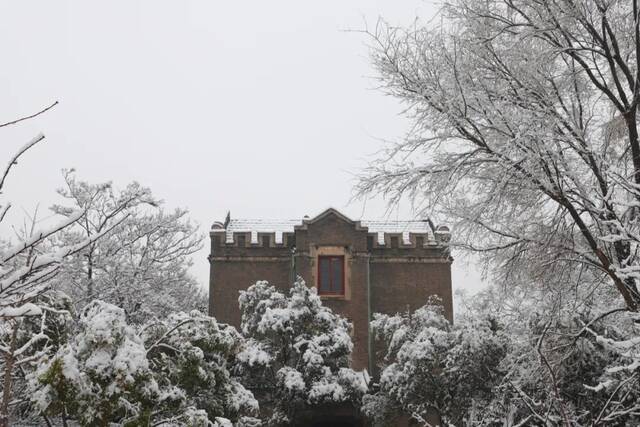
(432, 365)
(560, 371)
(147, 254)
(611, 343)
(171, 372)
(101, 376)
(142, 265)
(566, 364)
(26, 269)
(296, 353)
(191, 356)
(525, 134)
(35, 337)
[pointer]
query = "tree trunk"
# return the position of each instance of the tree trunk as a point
(634, 141)
(8, 379)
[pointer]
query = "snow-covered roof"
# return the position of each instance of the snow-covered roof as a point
(255, 226)
(396, 227)
(278, 227)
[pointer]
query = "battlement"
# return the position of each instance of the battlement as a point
(247, 233)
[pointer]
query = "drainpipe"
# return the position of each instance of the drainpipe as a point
(293, 274)
(369, 314)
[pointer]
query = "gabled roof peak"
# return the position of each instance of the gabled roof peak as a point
(326, 213)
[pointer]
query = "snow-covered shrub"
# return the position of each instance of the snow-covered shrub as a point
(191, 355)
(297, 351)
(102, 375)
(571, 368)
(36, 337)
(174, 372)
(434, 365)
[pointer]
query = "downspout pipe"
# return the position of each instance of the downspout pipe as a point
(293, 275)
(369, 315)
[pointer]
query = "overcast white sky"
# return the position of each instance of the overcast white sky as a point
(262, 108)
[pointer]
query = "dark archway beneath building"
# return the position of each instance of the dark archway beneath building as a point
(330, 415)
(336, 421)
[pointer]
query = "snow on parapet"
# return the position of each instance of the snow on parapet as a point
(407, 232)
(255, 226)
(404, 228)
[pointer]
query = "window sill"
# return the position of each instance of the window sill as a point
(330, 297)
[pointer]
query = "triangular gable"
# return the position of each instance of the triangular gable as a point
(326, 213)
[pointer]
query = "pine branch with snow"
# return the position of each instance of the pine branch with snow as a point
(171, 372)
(102, 375)
(192, 357)
(433, 366)
(297, 351)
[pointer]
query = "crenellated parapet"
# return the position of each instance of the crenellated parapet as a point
(273, 234)
(245, 233)
(405, 234)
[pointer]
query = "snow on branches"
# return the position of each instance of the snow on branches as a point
(564, 365)
(297, 351)
(175, 372)
(525, 134)
(433, 366)
(192, 356)
(101, 375)
(142, 265)
(26, 270)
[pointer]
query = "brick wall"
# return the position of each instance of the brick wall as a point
(234, 268)
(398, 284)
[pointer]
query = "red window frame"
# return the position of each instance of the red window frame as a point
(334, 289)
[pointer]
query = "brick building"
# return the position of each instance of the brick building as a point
(358, 267)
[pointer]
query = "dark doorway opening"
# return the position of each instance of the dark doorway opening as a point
(336, 421)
